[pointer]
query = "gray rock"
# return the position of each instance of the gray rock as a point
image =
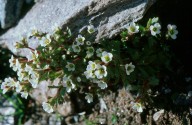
(7, 109)
(158, 114)
(108, 16)
(9, 12)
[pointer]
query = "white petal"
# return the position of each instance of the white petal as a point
(173, 36)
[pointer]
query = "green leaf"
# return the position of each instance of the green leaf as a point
(142, 30)
(149, 23)
(136, 41)
(62, 91)
(114, 119)
(124, 34)
(69, 32)
(151, 41)
(88, 122)
(154, 81)
(143, 72)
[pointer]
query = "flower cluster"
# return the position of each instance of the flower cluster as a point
(81, 64)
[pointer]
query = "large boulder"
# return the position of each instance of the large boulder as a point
(9, 12)
(108, 16)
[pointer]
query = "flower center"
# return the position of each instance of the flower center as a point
(129, 68)
(102, 71)
(68, 83)
(91, 30)
(46, 41)
(132, 28)
(93, 66)
(107, 58)
(91, 50)
(80, 40)
(171, 32)
(71, 65)
(154, 29)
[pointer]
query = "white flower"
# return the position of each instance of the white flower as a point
(45, 40)
(91, 29)
(28, 69)
(106, 57)
(78, 79)
(76, 48)
(155, 29)
(35, 55)
(32, 55)
(89, 97)
(102, 84)
(99, 52)
(34, 31)
(11, 61)
(91, 66)
(20, 75)
(80, 40)
(34, 82)
(17, 65)
(34, 79)
(133, 28)
(47, 107)
(137, 107)
(89, 74)
(18, 87)
(172, 31)
(101, 71)
(34, 75)
(63, 57)
(88, 43)
(5, 90)
(155, 20)
(8, 83)
(68, 83)
(70, 66)
(4, 87)
(129, 68)
(90, 52)
(24, 94)
(11, 82)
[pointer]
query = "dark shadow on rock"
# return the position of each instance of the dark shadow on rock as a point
(176, 12)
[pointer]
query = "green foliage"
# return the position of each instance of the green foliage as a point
(114, 119)
(16, 103)
(135, 59)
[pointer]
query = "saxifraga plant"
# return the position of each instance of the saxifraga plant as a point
(135, 61)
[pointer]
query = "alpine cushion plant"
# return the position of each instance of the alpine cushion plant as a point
(95, 68)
